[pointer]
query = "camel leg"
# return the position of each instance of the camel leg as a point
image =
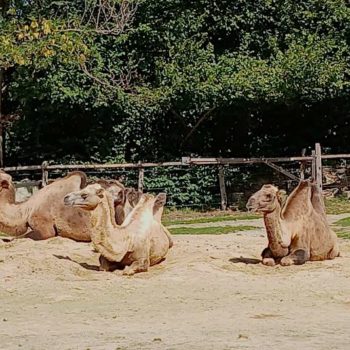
(42, 228)
(334, 253)
(297, 257)
(267, 258)
(140, 265)
(106, 265)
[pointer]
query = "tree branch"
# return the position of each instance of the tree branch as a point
(201, 119)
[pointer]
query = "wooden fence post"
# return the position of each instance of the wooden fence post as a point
(223, 194)
(141, 178)
(44, 174)
(302, 165)
(313, 165)
(318, 163)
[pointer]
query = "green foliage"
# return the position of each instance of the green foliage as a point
(343, 234)
(216, 230)
(202, 220)
(196, 187)
(216, 78)
(337, 205)
(343, 222)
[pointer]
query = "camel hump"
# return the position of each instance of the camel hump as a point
(82, 176)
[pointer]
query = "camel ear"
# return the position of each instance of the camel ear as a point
(5, 184)
(100, 192)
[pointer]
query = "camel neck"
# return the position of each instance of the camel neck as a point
(272, 222)
(103, 216)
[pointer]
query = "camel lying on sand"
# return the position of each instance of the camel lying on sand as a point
(141, 241)
(298, 231)
(44, 215)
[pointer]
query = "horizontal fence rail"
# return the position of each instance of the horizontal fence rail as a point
(314, 162)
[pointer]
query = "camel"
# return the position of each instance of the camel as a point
(141, 241)
(298, 231)
(125, 199)
(44, 215)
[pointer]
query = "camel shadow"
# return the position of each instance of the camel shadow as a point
(84, 265)
(250, 261)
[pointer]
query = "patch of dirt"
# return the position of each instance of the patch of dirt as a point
(210, 293)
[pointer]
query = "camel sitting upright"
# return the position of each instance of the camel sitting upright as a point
(138, 243)
(299, 231)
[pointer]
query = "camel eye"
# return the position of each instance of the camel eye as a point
(268, 196)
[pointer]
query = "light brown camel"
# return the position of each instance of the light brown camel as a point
(141, 241)
(299, 231)
(125, 199)
(44, 215)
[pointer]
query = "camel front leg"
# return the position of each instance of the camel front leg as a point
(296, 257)
(140, 265)
(267, 257)
(106, 265)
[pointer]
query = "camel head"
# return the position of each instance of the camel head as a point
(6, 186)
(88, 198)
(116, 190)
(265, 200)
(92, 195)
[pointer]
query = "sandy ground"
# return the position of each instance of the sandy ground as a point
(210, 293)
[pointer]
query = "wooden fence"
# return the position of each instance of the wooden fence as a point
(315, 161)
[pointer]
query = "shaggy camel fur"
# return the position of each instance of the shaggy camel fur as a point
(141, 241)
(44, 215)
(299, 231)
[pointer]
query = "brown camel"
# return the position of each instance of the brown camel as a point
(141, 241)
(299, 231)
(44, 215)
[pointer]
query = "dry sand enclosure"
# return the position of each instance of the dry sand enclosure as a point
(210, 293)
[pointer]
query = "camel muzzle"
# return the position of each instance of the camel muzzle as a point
(251, 204)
